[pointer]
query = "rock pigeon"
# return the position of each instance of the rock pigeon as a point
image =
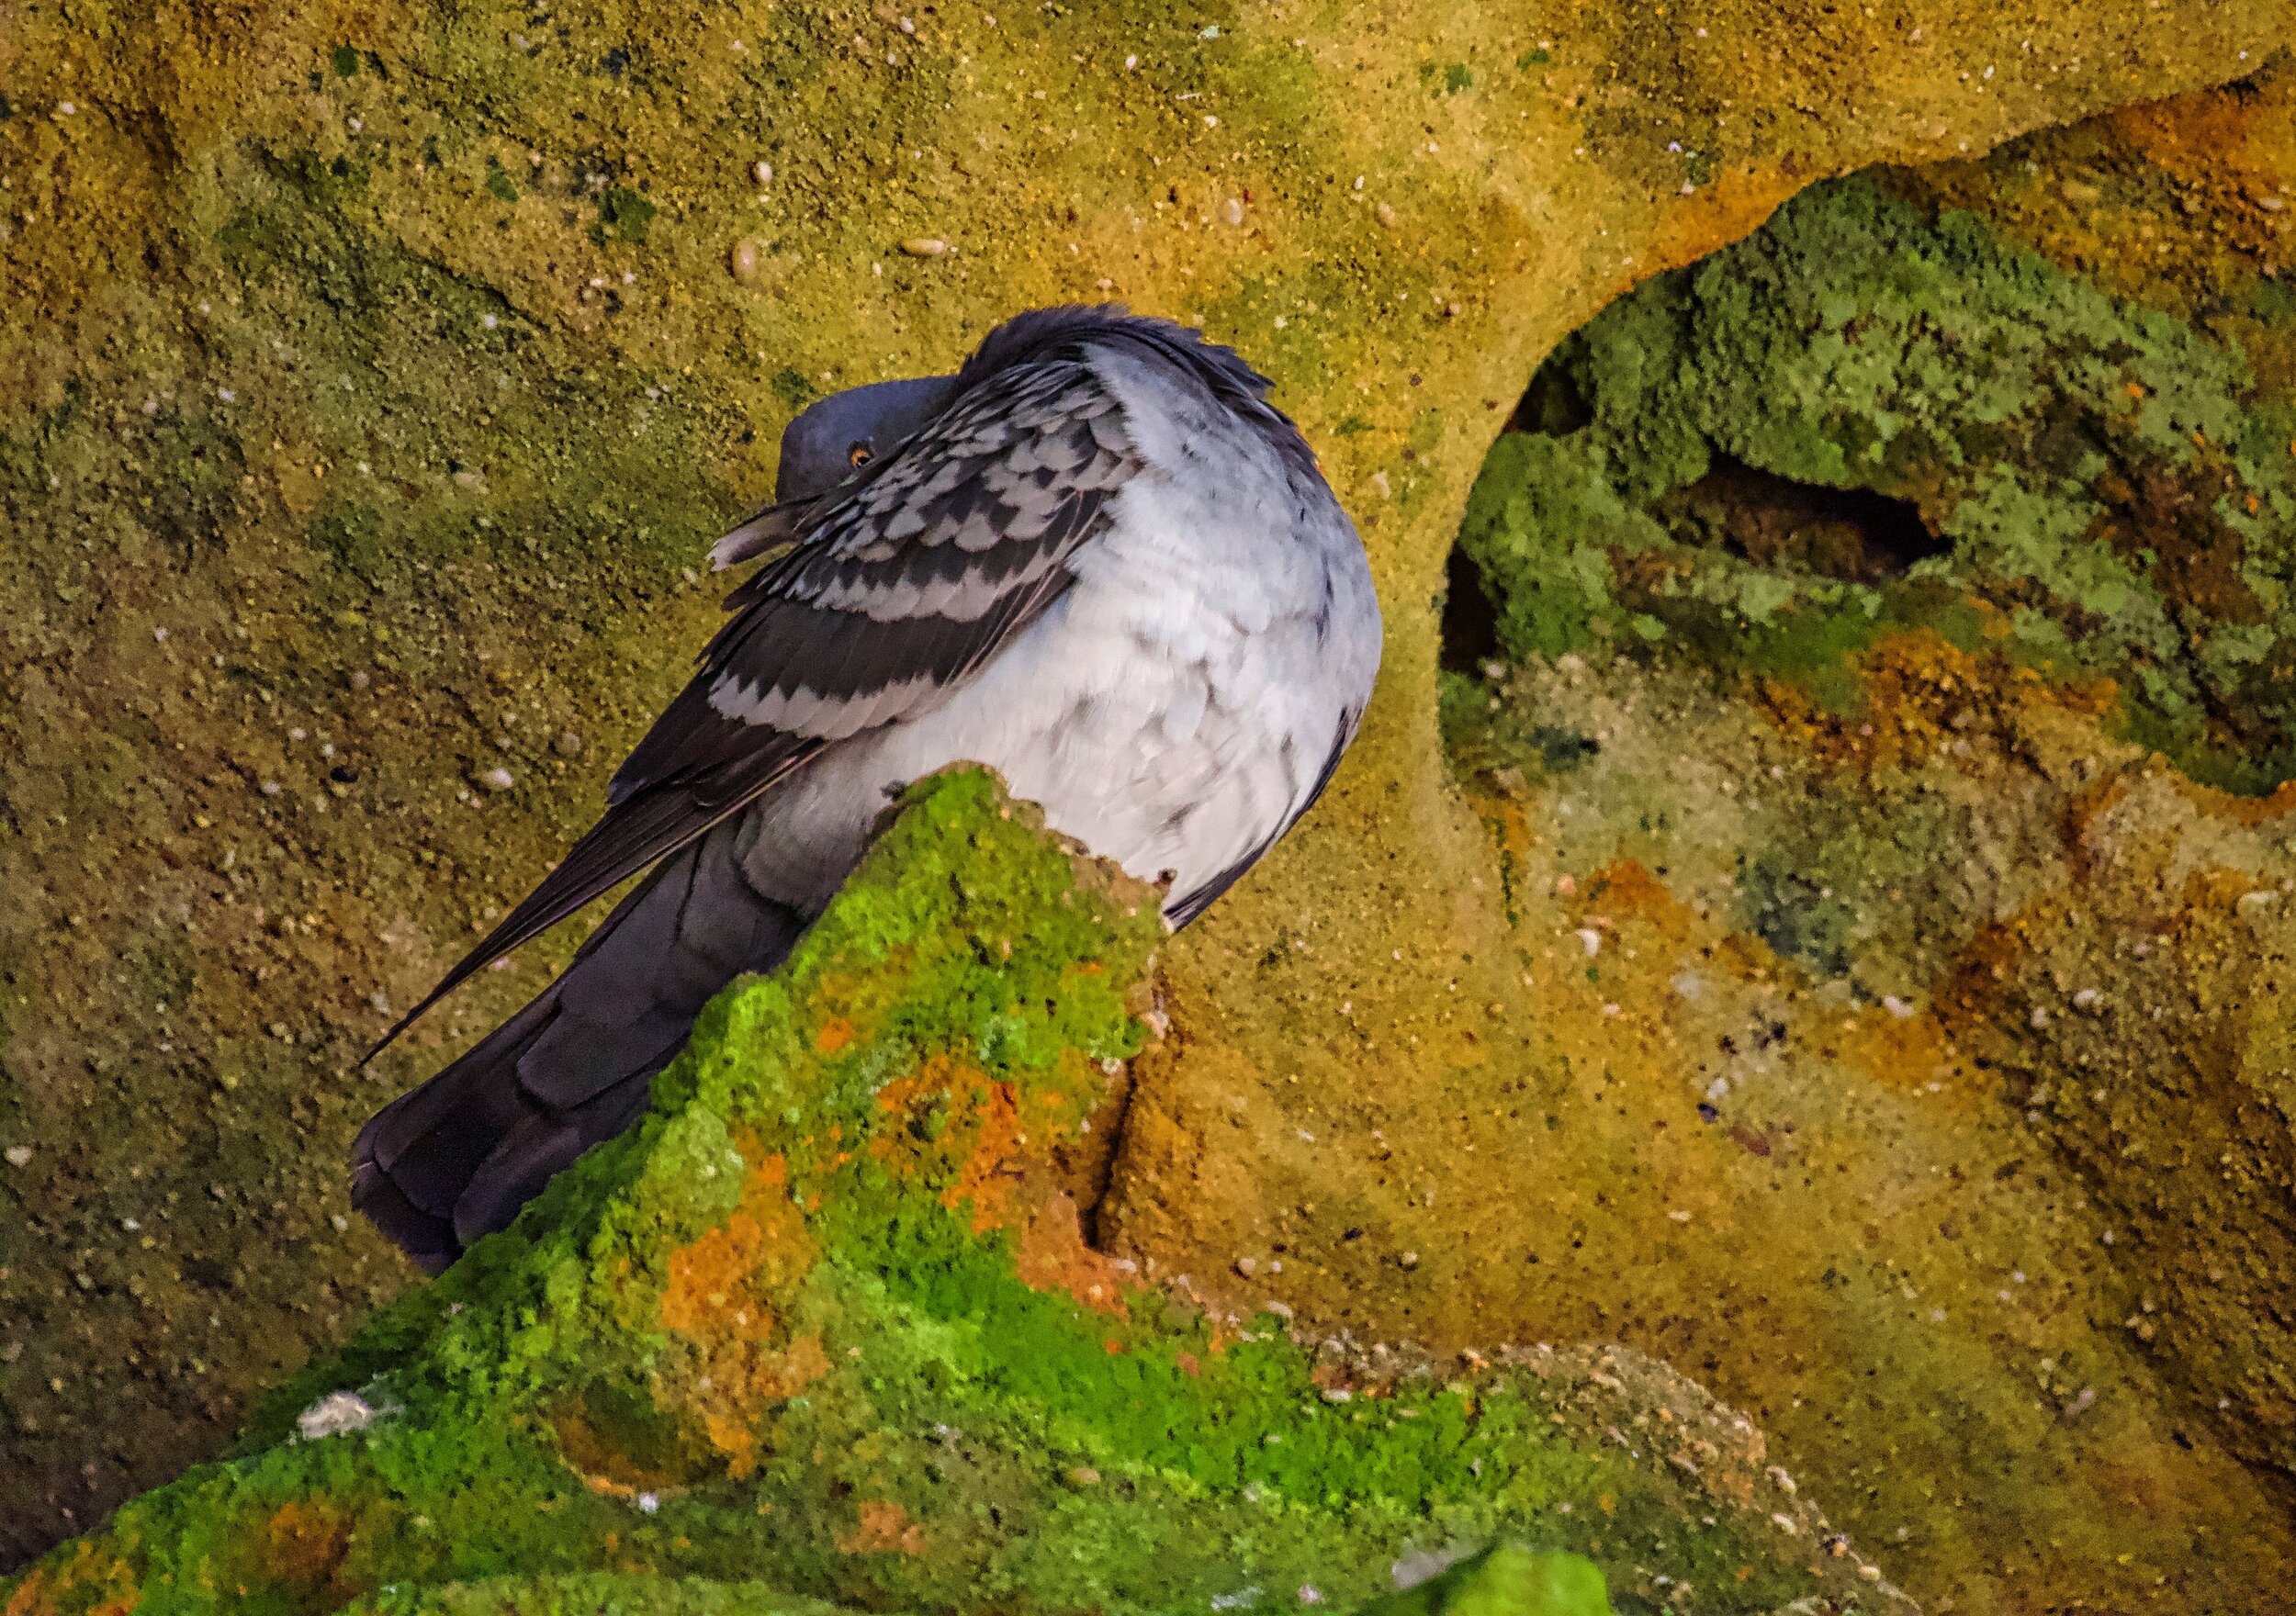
(1095, 558)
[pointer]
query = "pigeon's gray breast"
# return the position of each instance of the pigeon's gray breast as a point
(1179, 705)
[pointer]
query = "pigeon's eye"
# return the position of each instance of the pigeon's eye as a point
(861, 453)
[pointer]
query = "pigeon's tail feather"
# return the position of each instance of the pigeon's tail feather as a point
(457, 1157)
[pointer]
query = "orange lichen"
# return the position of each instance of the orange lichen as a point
(1626, 892)
(974, 1147)
(53, 1590)
(727, 1295)
(305, 1545)
(2244, 811)
(1901, 1052)
(1713, 216)
(1917, 690)
(882, 1527)
(725, 1284)
(2233, 149)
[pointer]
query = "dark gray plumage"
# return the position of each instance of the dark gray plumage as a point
(1095, 558)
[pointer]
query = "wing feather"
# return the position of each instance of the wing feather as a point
(875, 601)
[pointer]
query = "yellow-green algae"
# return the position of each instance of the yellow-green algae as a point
(824, 1321)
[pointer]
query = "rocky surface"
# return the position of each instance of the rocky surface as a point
(1877, 764)
(370, 384)
(826, 1323)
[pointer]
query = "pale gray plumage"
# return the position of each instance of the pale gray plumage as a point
(1095, 559)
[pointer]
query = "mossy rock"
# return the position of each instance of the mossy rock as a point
(1868, 419)
(825, 1322)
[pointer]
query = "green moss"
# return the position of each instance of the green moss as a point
(2011, 452)
(587, 1594)
(822, 1323)
(624, 213)
(1507, 1580)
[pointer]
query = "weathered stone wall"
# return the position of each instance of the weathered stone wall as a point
(371, 379)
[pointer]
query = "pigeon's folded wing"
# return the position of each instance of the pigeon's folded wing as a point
(894, 590)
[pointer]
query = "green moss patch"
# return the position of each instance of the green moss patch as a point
(1867, 419)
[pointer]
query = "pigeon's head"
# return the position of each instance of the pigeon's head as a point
(831, 440)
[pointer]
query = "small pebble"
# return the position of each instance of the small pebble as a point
(747, 255)
(1386, 215)
(1234, 211)
(762, 172)
(566, 744)
(498, 780)
(923, 246)
(334, 1415)
(18, 1155)
(1247, 1266)
(648, 1502)
(1408, 1261)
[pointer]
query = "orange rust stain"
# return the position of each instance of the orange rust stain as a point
(306, 1544)
(2247, 812)
(1915, 687)
(52, 1589)
(1051, 1256)
(882, 1527)
(1901, 1052)
(1732, 208)
(834, 1036)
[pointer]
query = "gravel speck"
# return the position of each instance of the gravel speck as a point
(498, 780)
(334, 1414)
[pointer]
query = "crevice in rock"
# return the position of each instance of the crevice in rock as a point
(1854, 535)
